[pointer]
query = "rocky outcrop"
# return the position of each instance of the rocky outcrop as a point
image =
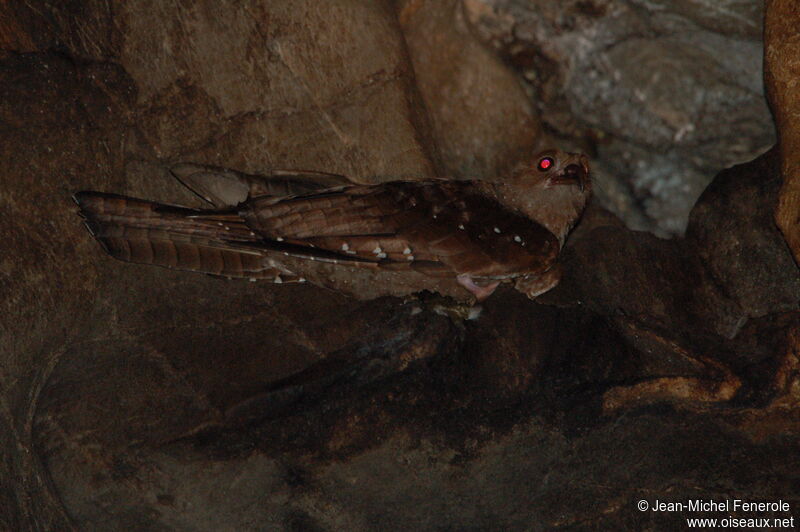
(663, 94)
(482, 120)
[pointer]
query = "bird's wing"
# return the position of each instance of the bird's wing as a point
(222, 187)
(440, 227)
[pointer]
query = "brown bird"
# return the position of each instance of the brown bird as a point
(293, 226)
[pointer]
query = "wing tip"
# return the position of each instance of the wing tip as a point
(91, 227)
(84, 198)
(91, 201)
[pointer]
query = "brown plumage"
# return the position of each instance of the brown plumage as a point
(480, 233)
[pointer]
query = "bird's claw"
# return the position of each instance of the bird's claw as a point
(534, 286)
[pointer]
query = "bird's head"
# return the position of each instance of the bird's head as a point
(553, 188)
(558, 170)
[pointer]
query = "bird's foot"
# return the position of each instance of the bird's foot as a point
(533, 286)
(480, 292)
(444, 306)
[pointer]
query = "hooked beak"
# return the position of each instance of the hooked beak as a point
(573, 174)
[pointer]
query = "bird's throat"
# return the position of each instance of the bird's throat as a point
(557, 208)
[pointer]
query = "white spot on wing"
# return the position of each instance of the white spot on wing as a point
(517, 238)
(381, 255)
(497, 230)
(407, 251)
(377, 250)
(461, 226)
(278, 279)
(410, 257)
(345, 247)
(252, 279)
(279, 239)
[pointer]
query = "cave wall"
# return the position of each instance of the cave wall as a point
(135, 398)
(781, 69)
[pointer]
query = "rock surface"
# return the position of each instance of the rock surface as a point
(781, 71)
(664, 94)
(482, 120)
(135, 398)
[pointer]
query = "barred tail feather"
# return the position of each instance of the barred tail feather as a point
(145, 232)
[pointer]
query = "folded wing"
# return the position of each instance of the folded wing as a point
(439, 227)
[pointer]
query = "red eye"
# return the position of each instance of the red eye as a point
(545, 164)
